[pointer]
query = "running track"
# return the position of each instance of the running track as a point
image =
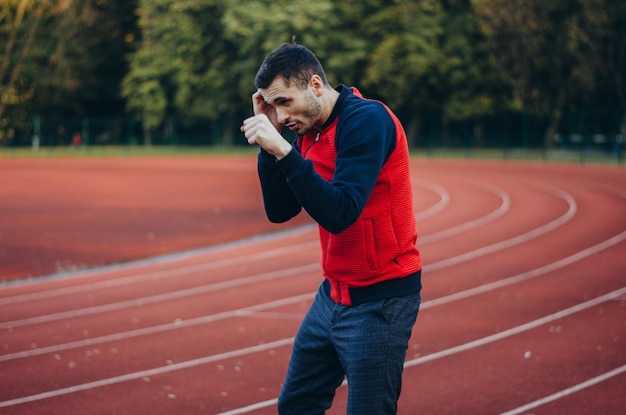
(524, 305)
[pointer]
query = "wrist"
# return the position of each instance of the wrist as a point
(284, 149)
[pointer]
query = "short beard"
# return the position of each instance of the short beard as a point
(311, 114)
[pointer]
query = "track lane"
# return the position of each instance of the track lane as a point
(112, 307)
(526, 361)
(600, 394)
(495, 199)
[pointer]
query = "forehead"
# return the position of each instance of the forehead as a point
(278, 90)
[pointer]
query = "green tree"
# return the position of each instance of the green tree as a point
(404, 57)
(257, 27)
(62, 57)
(611, 68)
(197, 58)
(474, 86)
(254, 28)
(548, 49)
(150, 85)
(20, 21)
(87, 42)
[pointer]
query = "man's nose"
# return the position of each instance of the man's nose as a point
(282, 116)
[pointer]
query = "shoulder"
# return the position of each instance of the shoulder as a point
(364, 124)
(359, 111)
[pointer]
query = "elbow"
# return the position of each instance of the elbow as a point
(337, 226)
(335, 230)
(280, 216)
(276, 219)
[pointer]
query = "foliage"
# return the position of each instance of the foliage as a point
(195, 60)
(549, 49)
(19, 24)
(198, 58)
(62, 57)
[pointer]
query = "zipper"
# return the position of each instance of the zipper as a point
(317, 138)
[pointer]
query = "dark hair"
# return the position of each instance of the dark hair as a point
(293, 62)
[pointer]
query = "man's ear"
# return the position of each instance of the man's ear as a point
(316, 84)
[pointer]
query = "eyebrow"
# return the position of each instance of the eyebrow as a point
(279, 99)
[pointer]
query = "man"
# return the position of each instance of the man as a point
(348, 167)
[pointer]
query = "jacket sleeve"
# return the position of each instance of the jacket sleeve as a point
(279, 200)
(364, 141)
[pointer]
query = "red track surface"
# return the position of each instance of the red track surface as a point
(524, 305)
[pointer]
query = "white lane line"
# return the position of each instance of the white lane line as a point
(516, 411)
(171, 258)
(565, 392)
(165, 259)
(168, 273)
(193, 291)
(470, 345)
(444, 200)
(587, 253)
(240, 312)
(563, 262)
(308, 296)
(475, 223)
(253, 407)
(519, 239)
(442, 300)
(519, 329)
(287, 341)
(160, 274)
(146, 373)
(172, 295)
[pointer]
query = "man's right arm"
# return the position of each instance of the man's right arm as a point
(263, 129)
(279, 199)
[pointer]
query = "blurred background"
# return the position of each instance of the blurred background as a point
(512, 76)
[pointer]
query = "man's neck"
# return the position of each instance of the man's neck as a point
(329, 99)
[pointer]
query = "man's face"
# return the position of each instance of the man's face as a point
(298, 109)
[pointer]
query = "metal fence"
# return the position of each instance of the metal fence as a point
(120, 131)
(582, 135)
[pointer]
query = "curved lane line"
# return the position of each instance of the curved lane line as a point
(169, 258)
(304, 297)
(473, 344)
(524, 237)
(475, 223)
(563, 262)
(158, 329)
(287, 341)
(159, 274)
(444, 200)
(172, 295)
(565, 392)
(278, 274)
(155, 275)
(573, 258)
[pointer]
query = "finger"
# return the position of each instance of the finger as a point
(257, 98)
(253, 139)
(248, 122)
(250, 132)
(259, 95)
